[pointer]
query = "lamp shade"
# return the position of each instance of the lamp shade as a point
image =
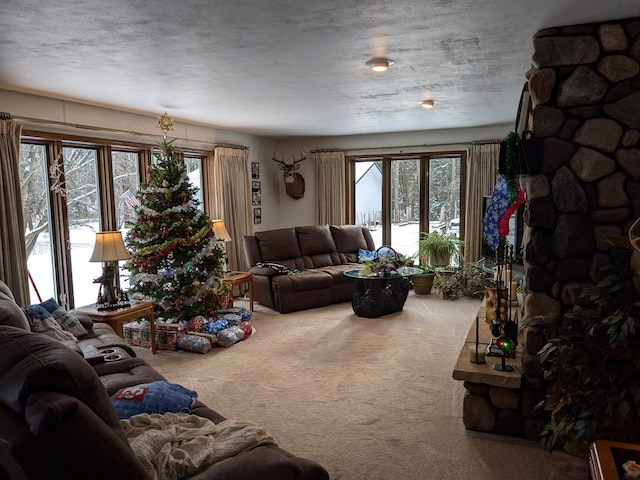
(109, 248)
(220, 230)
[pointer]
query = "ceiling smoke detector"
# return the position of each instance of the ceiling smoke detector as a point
(379, 64)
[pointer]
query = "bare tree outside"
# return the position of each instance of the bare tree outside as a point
(76, 171)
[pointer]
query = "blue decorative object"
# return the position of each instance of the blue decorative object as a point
(498, 205)
(364, 255)
(155, 397)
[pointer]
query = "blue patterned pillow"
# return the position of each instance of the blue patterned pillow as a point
(41, 321)
(67, 320)
(154, 397)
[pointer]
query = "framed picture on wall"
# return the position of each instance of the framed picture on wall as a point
(257, 216)
(255, 170)
(256, 194)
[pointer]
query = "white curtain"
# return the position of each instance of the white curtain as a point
(231, 200)
(13, 257)
(330, 187)
(482, 173)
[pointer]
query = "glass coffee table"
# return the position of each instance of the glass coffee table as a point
(375, 296)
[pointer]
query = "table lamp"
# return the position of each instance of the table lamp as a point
(223, 237)
(109, 248)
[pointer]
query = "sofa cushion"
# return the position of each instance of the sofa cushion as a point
(10, 312)
(279, 246)
(348, 238)
(317, 246)
(315, 240)
(308, 280)
(35, 363)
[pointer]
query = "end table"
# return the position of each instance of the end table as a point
(240, 278)
(116, 318)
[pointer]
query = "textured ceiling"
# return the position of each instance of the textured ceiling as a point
(287, 67)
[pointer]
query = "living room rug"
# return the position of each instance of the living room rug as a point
(366, 398)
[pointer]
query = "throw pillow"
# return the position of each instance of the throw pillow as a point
(76, 325)
(154, 397)
(41, 321)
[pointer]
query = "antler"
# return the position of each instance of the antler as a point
(304, 157)
(276, 160)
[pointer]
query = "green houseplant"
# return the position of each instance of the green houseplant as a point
(438, 247)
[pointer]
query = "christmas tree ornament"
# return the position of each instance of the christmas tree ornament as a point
(165, 123)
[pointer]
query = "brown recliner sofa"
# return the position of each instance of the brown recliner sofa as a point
(316, 255)
(57, 420)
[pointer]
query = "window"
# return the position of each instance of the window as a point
(194, 170)
(71, 189)
(36, 214)
(399, 196)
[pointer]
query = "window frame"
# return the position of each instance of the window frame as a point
(54, 144)
(386, 159)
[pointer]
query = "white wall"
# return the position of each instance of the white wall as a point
(278, 210)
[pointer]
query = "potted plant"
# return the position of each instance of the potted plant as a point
(423, 282)
(592, 367)
(439, 247)
(385, 262)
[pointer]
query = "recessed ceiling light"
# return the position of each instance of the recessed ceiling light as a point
(428, 104)
(379, 64)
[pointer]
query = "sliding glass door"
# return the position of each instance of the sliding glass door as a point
(399, 196)
(37, 220)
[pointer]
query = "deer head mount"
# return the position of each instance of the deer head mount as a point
(293, 181)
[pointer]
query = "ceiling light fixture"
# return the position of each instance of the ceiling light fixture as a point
(379, 64)
(428, 104)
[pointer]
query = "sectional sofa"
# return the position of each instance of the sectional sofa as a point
(57, 420)
(302, 267)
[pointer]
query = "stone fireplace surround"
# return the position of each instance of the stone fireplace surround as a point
(583, 193)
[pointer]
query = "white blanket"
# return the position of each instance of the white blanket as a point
(179, 445)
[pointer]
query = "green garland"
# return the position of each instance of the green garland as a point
(512, 164)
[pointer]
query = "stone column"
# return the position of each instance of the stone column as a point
(585, 88)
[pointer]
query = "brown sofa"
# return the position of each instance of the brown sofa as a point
(57, 420)
(318, 256)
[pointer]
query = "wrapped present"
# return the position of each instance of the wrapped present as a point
(167, 335)
(215, 327)
(246, 327)
(226, 300)
(137, 333)
(196, 323)
(231, 318)
(229, 336)
(213, 340)
(193, 343)
(242, 312)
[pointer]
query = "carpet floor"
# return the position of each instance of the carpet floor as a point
(366, 398)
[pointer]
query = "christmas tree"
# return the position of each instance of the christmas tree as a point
(175, 260)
